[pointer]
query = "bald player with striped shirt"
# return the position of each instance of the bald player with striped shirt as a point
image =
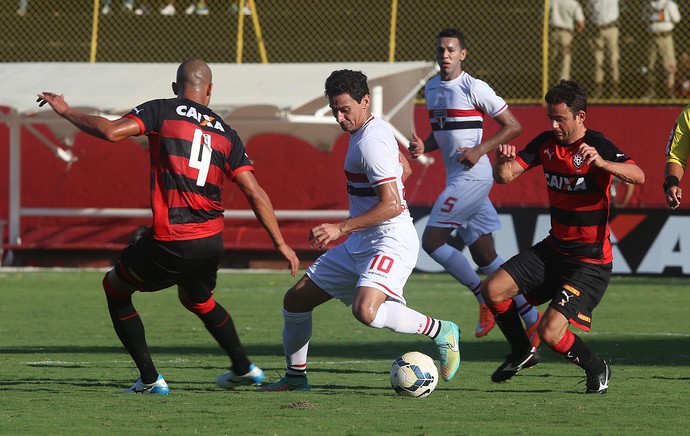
(192, 150)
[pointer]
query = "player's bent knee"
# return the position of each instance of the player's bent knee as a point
(198, 308)
(363, 313)
(114, 287)
(497, 289)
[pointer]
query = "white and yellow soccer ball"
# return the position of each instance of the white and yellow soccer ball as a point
(414, 374)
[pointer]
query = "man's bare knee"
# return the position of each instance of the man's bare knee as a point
(498, 287)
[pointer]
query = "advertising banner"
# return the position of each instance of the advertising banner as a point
(645, 242)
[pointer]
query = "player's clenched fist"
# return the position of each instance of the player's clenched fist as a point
(505, 152)
(416, 146)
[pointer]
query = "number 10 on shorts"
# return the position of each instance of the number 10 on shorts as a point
(382, 263)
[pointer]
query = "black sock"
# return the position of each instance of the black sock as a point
(582, 356)
(219, 323)
(511, 326)
(130, 330)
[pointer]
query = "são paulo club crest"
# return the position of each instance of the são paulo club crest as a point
(440, 116)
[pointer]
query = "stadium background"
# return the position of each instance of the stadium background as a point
(505, 41)
(505, 38)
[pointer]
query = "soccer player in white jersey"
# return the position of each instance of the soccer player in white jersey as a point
(456, 103)
(369, 270)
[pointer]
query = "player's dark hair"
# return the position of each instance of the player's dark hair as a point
(347, 81)
(451, 32)
(569, 92)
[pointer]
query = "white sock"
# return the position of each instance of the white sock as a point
(400, 318)
(528, 313)
(457, 265)
(296, 336)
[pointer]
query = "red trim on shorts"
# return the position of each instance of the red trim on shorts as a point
(299, 366)
(564, 344)
(580, 326)
(387, 289)
(450, 223)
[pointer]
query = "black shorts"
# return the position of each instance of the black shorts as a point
(151, 265)
(574, 287)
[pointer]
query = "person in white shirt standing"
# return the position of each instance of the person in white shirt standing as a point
(369, 270)
(564, 15)
(604, 16)
(662, 16)
(457, 103)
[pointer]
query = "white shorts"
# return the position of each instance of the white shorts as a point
(464, 205)
(381, 257)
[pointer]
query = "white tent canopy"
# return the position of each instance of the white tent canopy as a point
(252, 98)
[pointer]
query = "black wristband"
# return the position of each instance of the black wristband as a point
(670, 181)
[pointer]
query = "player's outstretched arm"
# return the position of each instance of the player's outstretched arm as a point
(263, 210)
(94, 125)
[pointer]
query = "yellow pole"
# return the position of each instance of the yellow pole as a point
(94, 32)
(394, 19)
(257, 32)
(545, 51)
(240, 32)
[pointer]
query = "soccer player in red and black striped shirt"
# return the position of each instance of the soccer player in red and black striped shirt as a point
(571, 268)
(192, 150)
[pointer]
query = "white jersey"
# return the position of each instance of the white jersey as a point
(456, 112)
(372, 160)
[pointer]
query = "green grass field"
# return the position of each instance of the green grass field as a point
(63, 367)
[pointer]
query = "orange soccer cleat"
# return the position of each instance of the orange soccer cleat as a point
(486, 321)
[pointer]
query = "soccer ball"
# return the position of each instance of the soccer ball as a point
(414, 375)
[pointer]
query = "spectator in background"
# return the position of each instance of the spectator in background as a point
(23, 6)
(677, 152)
(126, 5)
(199, 8)
(564, 15)
(683, 76)
(604, 16)
(662, 16)
(235, 8)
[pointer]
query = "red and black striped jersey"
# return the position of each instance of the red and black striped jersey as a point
(579, 195)
(192, 150)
